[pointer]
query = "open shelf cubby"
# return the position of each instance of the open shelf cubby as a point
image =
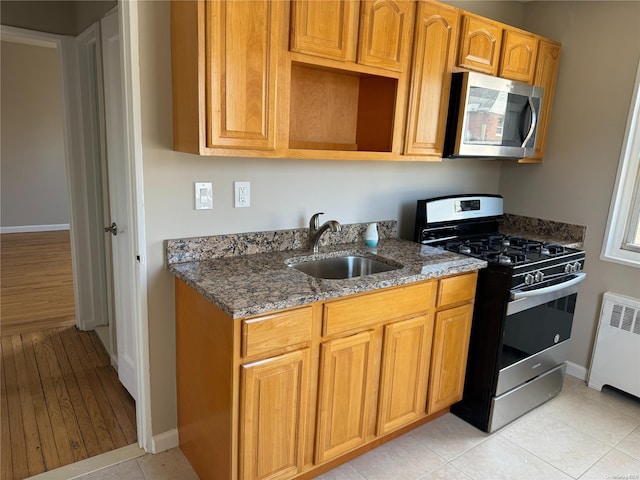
(341, 110)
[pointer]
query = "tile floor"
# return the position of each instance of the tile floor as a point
(581, 434)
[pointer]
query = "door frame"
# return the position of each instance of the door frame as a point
(85, 274)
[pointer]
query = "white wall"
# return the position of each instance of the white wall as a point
(62, 17)
(600, 53)
(284, 193)
(34, 184)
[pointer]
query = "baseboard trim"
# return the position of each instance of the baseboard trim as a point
(577, 371)
(35, 228)
(92, 464)
(164, 441)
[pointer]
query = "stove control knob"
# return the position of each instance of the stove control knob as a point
(539, 276)
(568, 268)
(529, 279)
(577, 267)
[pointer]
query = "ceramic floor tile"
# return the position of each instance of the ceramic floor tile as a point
(404, 458)
(631, 444)
(446, 472)
(499, 459)
(343, 472)
(449, 436)
(127, 470)
(168, 465)
(569, 383)
(615, 465)
(620, 401)
(595, 418)
(555, 442)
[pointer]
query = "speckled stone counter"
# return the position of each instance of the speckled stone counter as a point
(251, 284)
(567, 234)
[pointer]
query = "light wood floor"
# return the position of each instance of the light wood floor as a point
(36, 282)
(61, 399)
(61, 402)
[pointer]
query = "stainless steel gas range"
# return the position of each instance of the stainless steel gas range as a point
(525, 302)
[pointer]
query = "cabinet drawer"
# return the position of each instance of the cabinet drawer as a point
(457, 289)
(279, 330)
(372, 308)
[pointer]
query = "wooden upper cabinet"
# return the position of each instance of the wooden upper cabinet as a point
(434, 53)
(518, 58)
(546, 74)
(385, 34)
(242, 51)
(480, 41)
(325, 28)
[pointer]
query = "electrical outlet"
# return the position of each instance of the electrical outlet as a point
(242, 194)
(203, 195)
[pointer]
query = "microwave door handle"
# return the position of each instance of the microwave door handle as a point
(534, 121)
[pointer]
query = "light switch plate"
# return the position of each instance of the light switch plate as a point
(203, 195)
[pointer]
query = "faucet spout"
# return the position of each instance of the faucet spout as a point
(315, 231)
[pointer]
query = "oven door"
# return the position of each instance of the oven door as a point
(536, 331)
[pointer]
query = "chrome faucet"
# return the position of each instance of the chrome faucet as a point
(315, 231)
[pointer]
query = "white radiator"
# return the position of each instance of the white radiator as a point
(616, 353)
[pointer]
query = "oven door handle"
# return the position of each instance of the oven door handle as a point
(577, 278)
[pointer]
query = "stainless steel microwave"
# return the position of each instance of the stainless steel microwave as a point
(491, 117)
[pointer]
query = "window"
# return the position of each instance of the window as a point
(622, 238)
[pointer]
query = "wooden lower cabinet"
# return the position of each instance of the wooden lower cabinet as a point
(404, 373)
(346, 366)
(273, 404)
(449, 357)
(343, 376)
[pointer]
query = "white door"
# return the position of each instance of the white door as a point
(120, 200)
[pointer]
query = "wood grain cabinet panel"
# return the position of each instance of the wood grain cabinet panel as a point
(461, 288)
(272, 414)
(433, 59)
(325, 28)
(480, 42)
(346, 367)
(449, 357)
(270, 332)
(404, 377)
(518, 57)
(546, 74)
(372, 308)
(241, 55)
(385, 33)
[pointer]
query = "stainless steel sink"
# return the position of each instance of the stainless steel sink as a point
(347, 266)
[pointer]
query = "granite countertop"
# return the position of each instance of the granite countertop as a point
(247, 285)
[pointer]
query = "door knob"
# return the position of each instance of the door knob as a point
(113, 229)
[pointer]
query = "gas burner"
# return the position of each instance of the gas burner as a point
(497, 240)
(467, 247)
(552, 249)
(508, 256)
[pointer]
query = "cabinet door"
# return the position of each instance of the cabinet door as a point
(433, 59)
(405, 372)
(518, 57)
(545, 77)
(480, 41)
(386, 28)
(242, 55)
(273, 403)
(327, 28)
(449, 357)
(346, 366)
